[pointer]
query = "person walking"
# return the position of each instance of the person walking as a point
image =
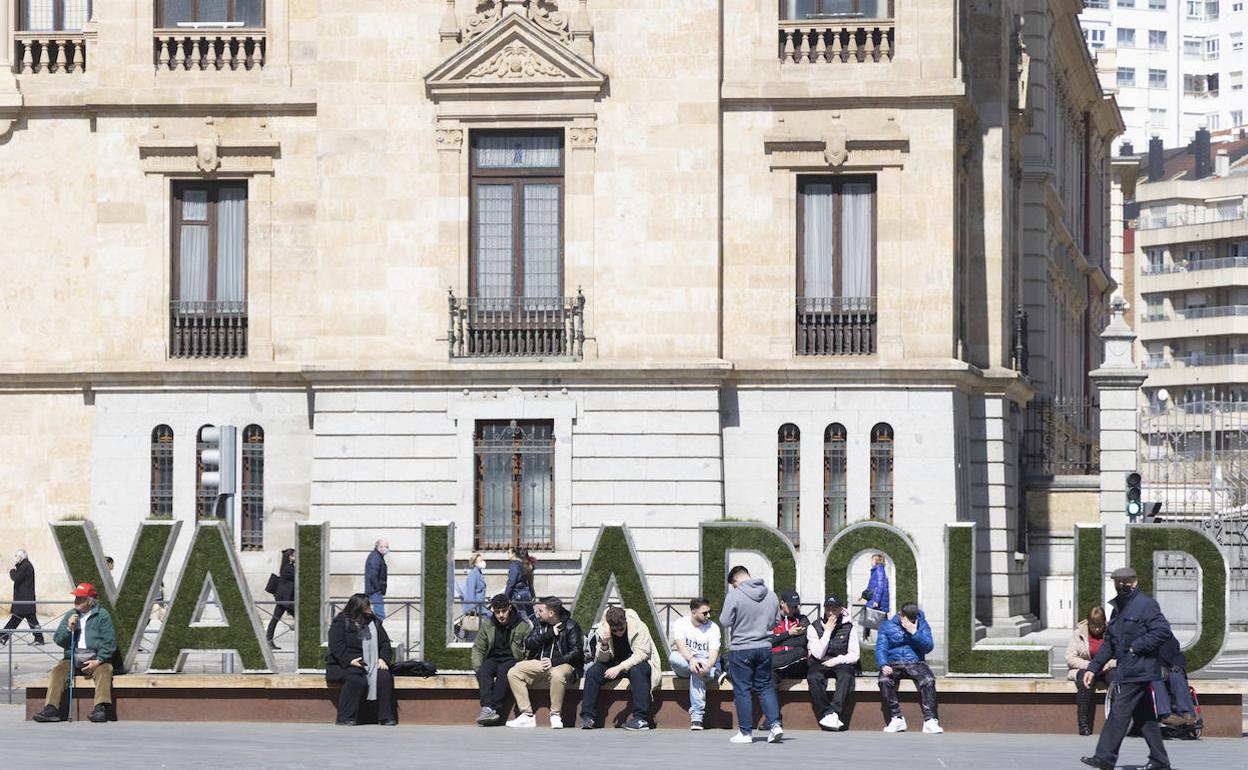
(1085, 643)
(1137, 630)
(375, 577)
(876, 593)
(519, 586)
(474, 587)
(23, 577)
(750, 611)
(285, 594)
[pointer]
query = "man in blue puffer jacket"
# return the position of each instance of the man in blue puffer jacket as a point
(904, 641)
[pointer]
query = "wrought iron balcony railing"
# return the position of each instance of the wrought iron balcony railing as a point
(207, 329)
(516, 327)
(836, 326)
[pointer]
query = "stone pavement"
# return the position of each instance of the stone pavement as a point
(220, 745)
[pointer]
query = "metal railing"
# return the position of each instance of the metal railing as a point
(1062, 438)
(207, 329)
(836, 326)
(1191, 217)
(506, 327)
(1195, 265)
(1221, 359)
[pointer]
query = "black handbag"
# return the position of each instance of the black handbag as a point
(271, 586)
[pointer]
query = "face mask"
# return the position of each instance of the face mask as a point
(1123, 591)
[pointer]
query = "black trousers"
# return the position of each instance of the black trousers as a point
(16, 620)
(280, 609)
(639, 681)
(842, 699)
(1083, 696)
(492, 681)
(355, 690)
(1132, 700)
(924, 681)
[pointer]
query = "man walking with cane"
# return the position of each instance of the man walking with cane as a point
(1136, 632)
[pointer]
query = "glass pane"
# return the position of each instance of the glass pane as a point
(799, 9)
(249, 12)
(194, 205)
(817, 244)
(535, 497)
(175, 11)
(75, 13)
(518, 150)
(193, 265)
(856, 247)
(495, 498)
(40, 16)
(541, 241)
(231, 248)
(494, 242)
(214, 10)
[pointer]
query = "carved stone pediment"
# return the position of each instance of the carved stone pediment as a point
(206, 152)
(837, 147)
(514, 58)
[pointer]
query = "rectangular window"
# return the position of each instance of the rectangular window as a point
(1237, 41)
(1192, 46)
(1095, 37)
(794, 10)
(1156, 260)
(1126, 37)
(1157, 5)
(1211, 48)
(247, 14)
(1096, 4)
(1157, 39)
(1156, 116)
(1126, 3)
(1212, 120)
(515, 486)
(1126, 77)
(1237, 7)
(52, 15)
(836, 270)
(1237, 80)
(1237, 118)
(1156, 78)
(517, 217)
(209, 277)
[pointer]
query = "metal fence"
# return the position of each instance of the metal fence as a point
(1062, 438)
(1194, 458)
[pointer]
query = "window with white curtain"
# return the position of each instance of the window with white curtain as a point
(53, 15)
(234, 13)
(517, 217)
(836, 238)
(210, 247)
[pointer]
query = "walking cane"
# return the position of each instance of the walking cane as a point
(73, 642)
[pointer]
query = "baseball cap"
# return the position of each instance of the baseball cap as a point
(84, 589)
(791, 598)
(833, 602)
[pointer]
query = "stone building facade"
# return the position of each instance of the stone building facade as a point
(532, 266)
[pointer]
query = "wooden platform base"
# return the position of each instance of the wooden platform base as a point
(966, 705)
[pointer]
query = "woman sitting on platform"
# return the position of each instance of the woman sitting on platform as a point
(1084, 645)
(359, 659)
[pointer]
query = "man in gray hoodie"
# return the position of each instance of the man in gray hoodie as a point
(750, 612)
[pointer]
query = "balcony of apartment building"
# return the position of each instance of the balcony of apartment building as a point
(1204, 363)
(1221, 318)
(1196, 265)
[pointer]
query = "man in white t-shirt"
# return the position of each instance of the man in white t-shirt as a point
(695, 654)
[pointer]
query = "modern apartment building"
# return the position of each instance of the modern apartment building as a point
(1180, 65)
(530, 267)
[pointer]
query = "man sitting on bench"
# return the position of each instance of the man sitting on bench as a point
(87, 630)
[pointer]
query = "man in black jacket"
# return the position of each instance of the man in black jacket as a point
(1136, 632)
(834, 652)
(23, 576)
(554, 651)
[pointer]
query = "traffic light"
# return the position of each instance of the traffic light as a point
(1134, 506)
(219, 458)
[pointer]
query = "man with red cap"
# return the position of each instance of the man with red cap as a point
(87, 629)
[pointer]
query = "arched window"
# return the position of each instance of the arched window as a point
(882, 472)
(835, 488)
(252, 517)
(788, 480)
(204, 498)
(161, 493)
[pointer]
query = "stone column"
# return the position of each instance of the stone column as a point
(1118, 382)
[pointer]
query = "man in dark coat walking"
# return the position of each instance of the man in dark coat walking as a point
(23, 577)
(1136, 632)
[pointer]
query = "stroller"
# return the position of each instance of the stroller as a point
(1181, 732)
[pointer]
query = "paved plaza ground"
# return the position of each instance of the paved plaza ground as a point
(302, 746)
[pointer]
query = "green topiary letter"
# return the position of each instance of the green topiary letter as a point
(311, 591)
(131, 603)
(964, 658)
(720, 537)
(1143, 540)
(871, 536)
(614, 562)
(211, 561)
(1089, 569)
(436, 578)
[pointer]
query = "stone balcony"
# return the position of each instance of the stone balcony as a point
(209, 49)
(61, 52)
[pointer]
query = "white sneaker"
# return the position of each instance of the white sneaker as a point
(775, 734)
(898, 725)
(740, 737)
(932, 726)
(524, 720)
(556, 721)
(831, 722)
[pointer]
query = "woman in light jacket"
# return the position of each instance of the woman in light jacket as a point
(1084, 644)
(474, 586)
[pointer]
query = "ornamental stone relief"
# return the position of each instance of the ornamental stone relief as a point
(515, 61)
(543, 13)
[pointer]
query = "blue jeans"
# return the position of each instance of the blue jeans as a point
(639, 682)
(379, 607)
(1173, 688)
(697, 684)
(750, 671)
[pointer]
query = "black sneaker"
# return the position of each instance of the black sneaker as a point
(273, 645)
(49, 714)
(1097, 762)
(587, 723)
(636, 724)
(99, 714)
(695, 725)
(345, 722)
